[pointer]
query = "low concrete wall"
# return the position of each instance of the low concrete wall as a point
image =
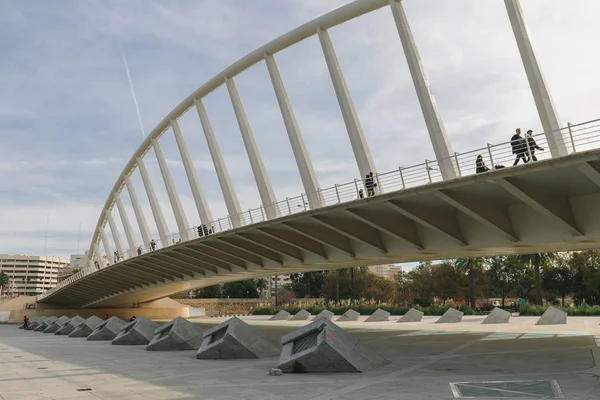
(164, 309)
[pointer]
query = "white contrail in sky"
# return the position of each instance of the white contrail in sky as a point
(137, 108)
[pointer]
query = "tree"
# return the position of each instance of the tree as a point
(474, 268)
(209, 292)
(240, 290)
(308, 284)
(558, 279)
(403, 284)
(503, 274)
(585, 266)
(537, 260)
(4, 280)
(448, 281)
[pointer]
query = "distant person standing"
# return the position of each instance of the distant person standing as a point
(106, 317)
(153, 245)
(370, 184)
(132, 319)
(25, 323)
(532, 146)
(139, 251)
(519, 147)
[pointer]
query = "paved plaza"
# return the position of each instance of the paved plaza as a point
(425, 358)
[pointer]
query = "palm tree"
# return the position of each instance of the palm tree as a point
(536, 260)
(471, 266)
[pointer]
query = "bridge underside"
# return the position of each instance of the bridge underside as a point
(548, 206)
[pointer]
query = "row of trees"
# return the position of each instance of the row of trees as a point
(553, 276)
(4, 281)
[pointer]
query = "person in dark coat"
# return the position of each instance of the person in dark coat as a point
(519, 147)
(480, 165)
(370, 184)
(532, 146)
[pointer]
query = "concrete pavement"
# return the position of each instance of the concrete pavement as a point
(425, 357)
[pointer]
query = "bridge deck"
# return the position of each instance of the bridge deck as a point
(543, 207)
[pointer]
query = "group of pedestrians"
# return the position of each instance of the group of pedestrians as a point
(523, 148)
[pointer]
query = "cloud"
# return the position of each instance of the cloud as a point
(68, 124)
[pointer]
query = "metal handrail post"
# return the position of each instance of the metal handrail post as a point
(569, 125)
(337, 193)
(428, 171)
(457, 164)
(489, 147)
(402, 177)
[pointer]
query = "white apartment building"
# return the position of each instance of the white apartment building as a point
(282, 280)
(387, 271)
(31, 275)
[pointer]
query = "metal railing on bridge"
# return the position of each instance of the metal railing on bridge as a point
(578, 137)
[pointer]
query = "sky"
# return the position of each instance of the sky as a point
(68, 124)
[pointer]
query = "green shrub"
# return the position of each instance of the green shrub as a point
(582, 310)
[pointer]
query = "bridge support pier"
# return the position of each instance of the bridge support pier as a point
(541, 94)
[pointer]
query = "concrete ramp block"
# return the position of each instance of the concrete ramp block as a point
(301, 315)
(138, 332)
(452, 315)
(326, 314)
(70, 326)
(107, 330)
(34, 324)
(179, 334)
(56, 325)
(552, 316)
(236, 339)
(280, 316)
(322, 346)
(349, 315)
(85, 328)
(378, 316)
(42, 325)
(412, 315)
(497, 316)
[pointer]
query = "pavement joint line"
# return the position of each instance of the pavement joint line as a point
(393, 376)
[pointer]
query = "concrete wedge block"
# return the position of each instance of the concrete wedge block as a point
(70, 326)
(236, 339)
(322, 346)
(412, 315)
(552, 316)
(378, 316)
(37, 322)
(324, 314)
(42, 325)
(179, 334)
(280, 316)
(107, 330)
(452, 315)
(497, 316)
(301, 315)
(348, 316)
(85, 328)
(56, 325)
(138, 332)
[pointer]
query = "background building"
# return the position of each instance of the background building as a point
(31, 275)
(282, 280)
(387, 271)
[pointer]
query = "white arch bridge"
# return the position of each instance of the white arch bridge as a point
(438, 209)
